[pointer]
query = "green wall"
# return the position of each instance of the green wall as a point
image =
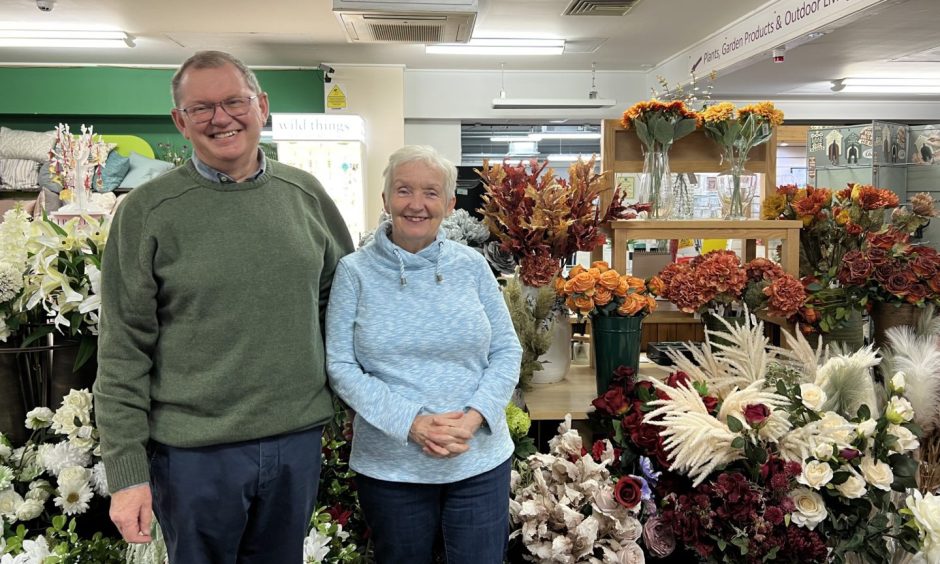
(131, 101)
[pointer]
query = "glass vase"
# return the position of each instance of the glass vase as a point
(656, 183)
(736, 190)
(683, 192)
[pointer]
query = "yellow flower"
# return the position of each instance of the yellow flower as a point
(843, 217)
(765, 110)
(774, 206)
(719, 112)
(65, 195)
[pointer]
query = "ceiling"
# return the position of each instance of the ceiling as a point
(303, 33)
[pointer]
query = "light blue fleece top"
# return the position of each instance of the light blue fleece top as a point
(410, 334)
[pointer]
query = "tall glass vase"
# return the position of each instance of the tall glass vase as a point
(736, 190)
(656, 182)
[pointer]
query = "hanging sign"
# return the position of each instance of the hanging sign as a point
(316, 127)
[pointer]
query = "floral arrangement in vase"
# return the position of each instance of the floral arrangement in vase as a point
(76, 162)
(602, 291)
(892, 270)
(51, 483)
(737, 132)
(541, 219)
(716, 283)
(750, 453)
(658, 125)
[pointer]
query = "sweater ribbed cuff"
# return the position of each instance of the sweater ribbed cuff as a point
(127, 471)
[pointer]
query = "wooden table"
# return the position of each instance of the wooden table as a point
(788, 231)
(574, 394)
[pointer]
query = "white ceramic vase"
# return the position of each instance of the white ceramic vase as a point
(557, 360)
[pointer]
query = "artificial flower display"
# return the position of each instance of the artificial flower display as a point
(659, 123)
(602, 291)
(737, 131)
(717, 283)
(541, 219)
(758, 454)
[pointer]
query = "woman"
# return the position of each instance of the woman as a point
(421, 347)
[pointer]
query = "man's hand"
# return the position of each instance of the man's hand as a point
(132, 511)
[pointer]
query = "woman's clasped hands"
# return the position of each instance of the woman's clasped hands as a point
(445, 435)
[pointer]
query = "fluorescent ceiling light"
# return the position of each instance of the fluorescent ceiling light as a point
(567, 158)
(551, 103)
(64, 38)
(884, 85)
(543, 136)
(510, 47)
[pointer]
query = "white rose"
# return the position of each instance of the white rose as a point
(815, 474)
(926, 510)
(897, 383)
(813, 396)
(866, 428)
(605, 501)
(906, 439)
(877, 473)
(74, 474)
(81, 400)
(631, 553)
(29, 509)
(837, 429)
(824, 451)
(853, 488)
(39, 418)
(899, 410)
(5, 451)
(9, 501)
(810, 508)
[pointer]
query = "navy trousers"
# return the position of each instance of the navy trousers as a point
(239, 503)
(472, 516)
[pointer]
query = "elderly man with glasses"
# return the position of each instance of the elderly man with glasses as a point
(211, 393)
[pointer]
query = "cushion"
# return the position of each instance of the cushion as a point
(45, 179)
(19, 173)
(114, 171)
(143, 169)
(32, 145)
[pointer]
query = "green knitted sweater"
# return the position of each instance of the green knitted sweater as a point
(213, 300)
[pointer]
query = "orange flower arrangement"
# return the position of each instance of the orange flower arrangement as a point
(600, 290)
(658, 122)
(716, 282)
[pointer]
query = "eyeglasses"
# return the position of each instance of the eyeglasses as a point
(235, 107)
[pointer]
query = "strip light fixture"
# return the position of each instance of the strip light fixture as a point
(492, 46)
(64, 38)
(884, 85)
(574, 135)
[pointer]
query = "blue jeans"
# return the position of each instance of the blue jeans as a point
(472, 516)
(247, 503)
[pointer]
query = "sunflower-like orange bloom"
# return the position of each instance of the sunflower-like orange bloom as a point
(871, 198)
(811, 203)
(719, 112)
(765, 110)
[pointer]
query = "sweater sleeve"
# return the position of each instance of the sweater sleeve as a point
(338, 245)
(128, 333)
(505, 356)
(369, 397)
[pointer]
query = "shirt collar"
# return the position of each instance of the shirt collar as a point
(216, 176)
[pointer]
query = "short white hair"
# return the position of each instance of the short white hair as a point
(427, 155)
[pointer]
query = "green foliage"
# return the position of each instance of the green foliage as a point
(533, 324)
(67, 547)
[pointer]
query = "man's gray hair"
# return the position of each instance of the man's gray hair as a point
(427, 155)
(212, 60)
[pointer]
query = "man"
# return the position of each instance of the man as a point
(211, 392)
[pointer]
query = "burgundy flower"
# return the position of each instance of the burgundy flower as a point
(597, 449)
(676, 378)
(632, 420)
(900, 282)
(756, 414)
(628, 492)
(774, 515)
(339, 515)
(711, 404)
(849, 453)
(645, 436)
(658, 537)
(613, 402)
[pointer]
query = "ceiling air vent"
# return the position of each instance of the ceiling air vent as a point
(599, 7)
(416, 21)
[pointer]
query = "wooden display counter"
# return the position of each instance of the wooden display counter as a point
(574, 394)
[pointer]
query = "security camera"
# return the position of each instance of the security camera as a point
(327, 69)
(45, 5)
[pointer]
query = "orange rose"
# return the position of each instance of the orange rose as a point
(600, 265)
(584, 304)
(651, 303)
(609, 279)
(635, 284)
(560, 285)
(602, 296)
(595, 273)
(656, 286)
(580, 283)
(622, 287)
(575, 270)
(569, 303)
(632, 304)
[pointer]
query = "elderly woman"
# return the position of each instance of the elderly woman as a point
(421, 347)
